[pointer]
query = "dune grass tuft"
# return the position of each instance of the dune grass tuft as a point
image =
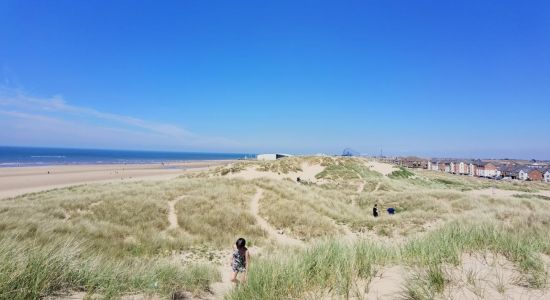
(32, 271)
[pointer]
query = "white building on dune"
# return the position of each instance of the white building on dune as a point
(271, 156)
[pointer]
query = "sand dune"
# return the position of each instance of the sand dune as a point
(382, 168)
(307, 174)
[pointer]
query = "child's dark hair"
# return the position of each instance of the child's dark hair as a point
(241, 244)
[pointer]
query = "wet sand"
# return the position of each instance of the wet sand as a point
(16, 181)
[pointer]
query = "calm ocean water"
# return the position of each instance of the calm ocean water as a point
(27, 156)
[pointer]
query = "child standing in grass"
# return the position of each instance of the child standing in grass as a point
(239, 260)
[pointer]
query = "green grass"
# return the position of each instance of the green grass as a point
(532, 196)
(347, 169)
(119, 229)
(31, 271)
(340, 266)
(328, 264)
(401, 173)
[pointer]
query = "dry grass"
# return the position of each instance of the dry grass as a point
(121, 229)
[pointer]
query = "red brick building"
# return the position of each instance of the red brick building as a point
(535, 175)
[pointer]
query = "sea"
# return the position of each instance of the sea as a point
(35, 156)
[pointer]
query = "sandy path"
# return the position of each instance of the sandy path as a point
(172, 213)
(348, 235)
(361, 187)
(281, 238)
(219, 289)
(377, 186)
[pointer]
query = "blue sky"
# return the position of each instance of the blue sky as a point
(431, 78)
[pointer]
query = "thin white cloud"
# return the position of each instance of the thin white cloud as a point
(54, 116)
(58, 104)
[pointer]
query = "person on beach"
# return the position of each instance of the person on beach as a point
(375, 210)
(240, 260)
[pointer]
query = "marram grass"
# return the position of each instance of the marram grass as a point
(32, 271)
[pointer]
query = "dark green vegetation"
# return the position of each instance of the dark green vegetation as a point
(401, 173)
(532, 196)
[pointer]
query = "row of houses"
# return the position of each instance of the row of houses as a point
(481, 168)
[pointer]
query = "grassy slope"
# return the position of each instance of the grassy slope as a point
(341, 266)
(112, 238)
(118, 235)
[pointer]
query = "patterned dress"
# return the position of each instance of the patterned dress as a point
(239, 261)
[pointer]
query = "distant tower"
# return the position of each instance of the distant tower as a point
(381, 153)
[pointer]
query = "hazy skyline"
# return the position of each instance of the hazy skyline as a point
(465, 79)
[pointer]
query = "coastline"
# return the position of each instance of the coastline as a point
(16, 181)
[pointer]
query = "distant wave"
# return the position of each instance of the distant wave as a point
(21, 164)
(29, 156)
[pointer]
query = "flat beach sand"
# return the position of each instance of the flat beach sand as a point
(16, 181)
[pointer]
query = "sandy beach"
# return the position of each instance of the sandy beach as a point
(16, 181)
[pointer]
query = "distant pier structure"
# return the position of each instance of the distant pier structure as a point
(350, 152)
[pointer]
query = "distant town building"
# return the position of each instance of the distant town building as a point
(452, 167)
(506, 168)
(523, 173)
(486, 169)
(472, 169)
(412, 162)
(433, 165)
(462, 168)
(510, 171)
(535, 175)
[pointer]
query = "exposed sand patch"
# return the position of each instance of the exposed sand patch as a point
(488, 276)
(307, 174)
(382, 168)
(387, 283)
(279, 237)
